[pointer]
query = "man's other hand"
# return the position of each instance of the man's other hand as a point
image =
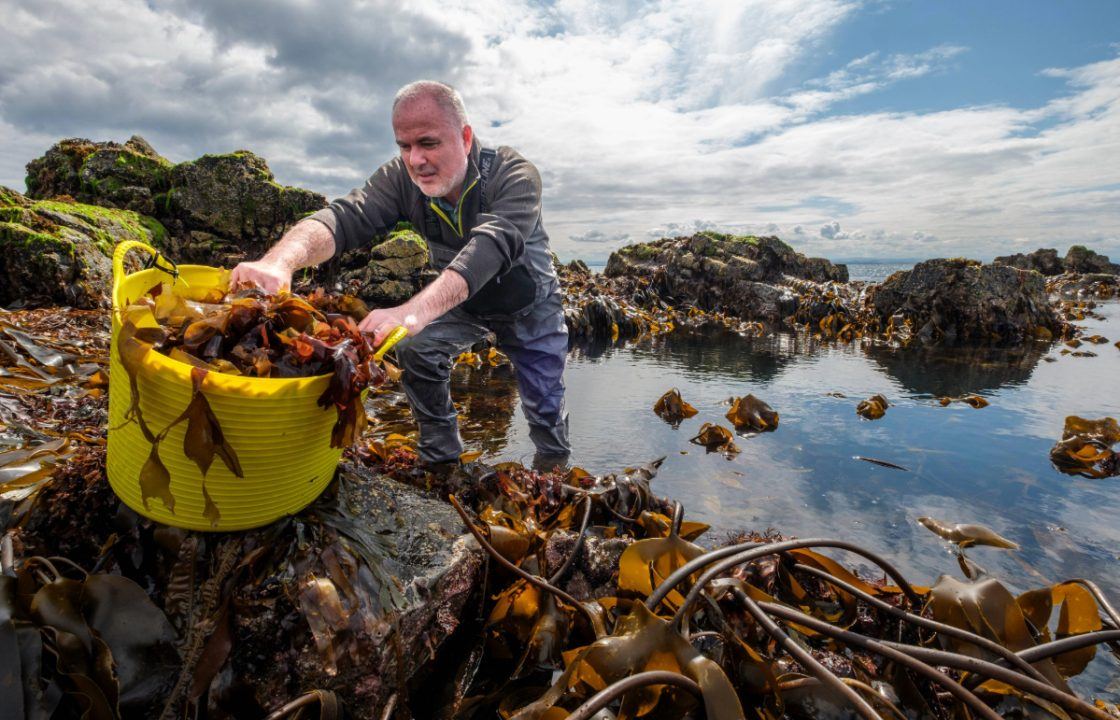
(270, 277)
(383, 321)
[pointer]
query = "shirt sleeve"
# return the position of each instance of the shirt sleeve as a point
(498, 238)
(365, 212)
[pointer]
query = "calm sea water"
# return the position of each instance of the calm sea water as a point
(987, 466)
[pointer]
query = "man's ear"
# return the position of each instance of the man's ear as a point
(468, 137)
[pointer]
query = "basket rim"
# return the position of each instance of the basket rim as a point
(156, 361)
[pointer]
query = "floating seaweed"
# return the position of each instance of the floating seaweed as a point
(672, 408)
(873, 408)
(749, 414)
(1086, 448)
(716, 438)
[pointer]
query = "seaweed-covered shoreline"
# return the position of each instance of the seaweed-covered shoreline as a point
(375, 600)
(498, 589)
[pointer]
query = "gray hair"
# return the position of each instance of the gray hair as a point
(446, 97)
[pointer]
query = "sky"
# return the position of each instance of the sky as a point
(849, 128)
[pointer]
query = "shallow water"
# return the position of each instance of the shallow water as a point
(987, 466)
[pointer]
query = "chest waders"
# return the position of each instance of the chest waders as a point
(533, 335)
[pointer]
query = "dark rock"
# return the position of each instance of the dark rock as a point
(1080, 259)
(438, 570)
(59, 251)
(352, 595)
(237, 202)
(125, 176)
(739, 257)
(389, 273)
(219, 209)
(743, 276)
(963, 300)
(1044, 260)
(57, 172)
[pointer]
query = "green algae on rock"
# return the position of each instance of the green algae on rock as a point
(60, 251)
(388, 273)
(225, 208)
(219, 209)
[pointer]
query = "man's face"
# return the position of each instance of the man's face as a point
(433, 147)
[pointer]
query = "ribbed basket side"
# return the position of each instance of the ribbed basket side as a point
(281, 437)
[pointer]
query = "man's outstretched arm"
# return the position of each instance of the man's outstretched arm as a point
(444, 293)
(307, 243)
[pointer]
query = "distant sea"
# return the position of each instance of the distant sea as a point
(869, 271)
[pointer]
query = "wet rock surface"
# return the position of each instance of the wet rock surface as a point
(958, 300)
(354, 595)
(59, 251)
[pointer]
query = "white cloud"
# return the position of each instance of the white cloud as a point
(640, 115)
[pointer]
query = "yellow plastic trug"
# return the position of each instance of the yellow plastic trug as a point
(280, 434)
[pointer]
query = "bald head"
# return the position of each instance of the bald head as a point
(445, 97)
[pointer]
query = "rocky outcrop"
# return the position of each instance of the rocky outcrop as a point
(218, 209)
(963, 300)
(1044, 260)
(749, 277)
(222, 209)
(59, 251)
(129, 176)
(1078, 259)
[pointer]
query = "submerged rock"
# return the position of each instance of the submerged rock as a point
(59, 251)
(963, 300)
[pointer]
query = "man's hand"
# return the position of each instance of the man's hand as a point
(444, 293)
(307, 243)
(270, 277)
(383, 321)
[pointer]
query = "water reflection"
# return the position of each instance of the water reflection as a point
(711, 352)
(989, 466)
(953, 372)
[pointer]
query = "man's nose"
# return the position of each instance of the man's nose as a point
(417, 157)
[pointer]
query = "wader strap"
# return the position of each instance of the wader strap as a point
(485, 162)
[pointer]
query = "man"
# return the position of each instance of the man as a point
(480, 212)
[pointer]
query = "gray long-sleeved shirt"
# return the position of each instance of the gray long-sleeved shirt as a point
(482, 245)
